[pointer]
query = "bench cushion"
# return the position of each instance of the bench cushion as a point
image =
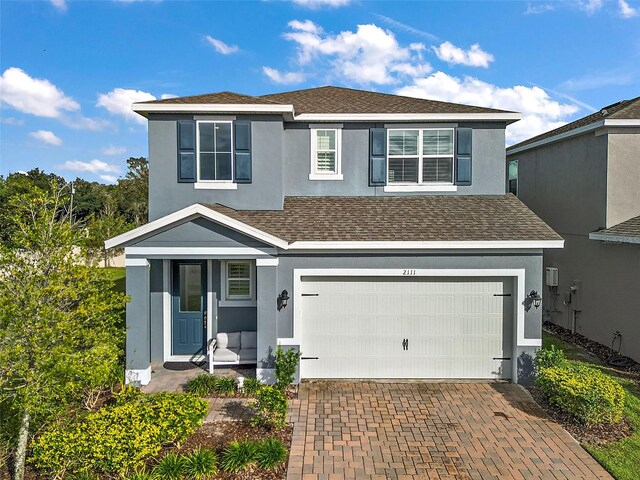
(228, 340)
(225, 355)
(248, 340)
(248, 355)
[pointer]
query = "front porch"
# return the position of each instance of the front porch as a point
(173, 376)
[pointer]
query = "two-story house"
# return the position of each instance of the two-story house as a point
(583, 179)
(370, 231)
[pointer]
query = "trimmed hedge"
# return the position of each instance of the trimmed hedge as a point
(586, 393)
(118, 438)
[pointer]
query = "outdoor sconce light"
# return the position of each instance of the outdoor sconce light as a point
(532, 299)
(283, 298)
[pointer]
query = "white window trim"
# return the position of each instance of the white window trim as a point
(213, 184)
(421, 186)
(240, 302)
(319, 175)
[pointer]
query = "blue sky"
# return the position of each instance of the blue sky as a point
(70, 69)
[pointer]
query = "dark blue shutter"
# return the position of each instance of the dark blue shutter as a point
(242, 152)
(186, 151)
(463, 156)
(377, 157)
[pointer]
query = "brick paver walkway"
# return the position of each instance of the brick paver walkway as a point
(368, 430)
(228, 410)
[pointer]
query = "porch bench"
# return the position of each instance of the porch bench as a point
(233, 348)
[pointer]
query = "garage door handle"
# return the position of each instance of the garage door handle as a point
(309, 358)
(502, 358)
(501, 294)
(405, 344)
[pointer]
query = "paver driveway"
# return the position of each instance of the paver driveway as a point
(371, 430)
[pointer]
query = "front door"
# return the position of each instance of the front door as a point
(189, 307)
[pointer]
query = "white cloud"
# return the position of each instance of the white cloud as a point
(60, 5)
(113, 150)
(46, 136)
(315, 4)
(94, 166)
(591, 81)
(591, 6)
(165, 96)
(407, 28)
(538, 8)
(12, 121)
(474, 57)
(108, 178)
(540, 111)
(626, 10)
(371, 55)
(80, 122)
(118, 102)
(34, 95)
(283, 78)
(220, 46)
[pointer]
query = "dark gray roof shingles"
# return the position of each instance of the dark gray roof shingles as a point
(630, 228)
(424, 218)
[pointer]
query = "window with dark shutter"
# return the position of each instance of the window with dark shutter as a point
(463, 156)
(186, 151)
(377, 157)
(242, 152)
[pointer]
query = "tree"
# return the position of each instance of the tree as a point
(60, 333)
(133, 191)
(102, 227)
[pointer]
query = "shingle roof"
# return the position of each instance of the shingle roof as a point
(423, 218)
(333, 100)
(624, 110)
(215, 98)
(347, 100)
(629, 229)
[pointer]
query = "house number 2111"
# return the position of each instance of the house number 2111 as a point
(408, 273)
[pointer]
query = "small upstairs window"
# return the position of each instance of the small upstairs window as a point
(420, 156)
(215, 152)
(512, 181)
(325, 154)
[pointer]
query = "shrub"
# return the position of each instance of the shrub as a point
(251, 386)
(270, 407)
(271, 454)
(239, 455)
(202, 385)
(549, 357)
(225, 385)
(201, 463)
(118, 438)
(171, 467)
(286, 364)
(141, 474)
(584, 392)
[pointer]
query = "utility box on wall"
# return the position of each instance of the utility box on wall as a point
(551, 277)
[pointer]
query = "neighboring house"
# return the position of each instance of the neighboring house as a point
(370, 231)
(583, 179)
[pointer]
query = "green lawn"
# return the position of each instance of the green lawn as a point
(621, 459)
(117, 274)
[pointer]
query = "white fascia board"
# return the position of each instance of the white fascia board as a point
(407, 117)
(186, 214)
(603, 237)
(451, 245)
(210, 108)
(622, 122)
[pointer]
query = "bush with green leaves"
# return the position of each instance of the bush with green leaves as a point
(586, 393)
(170, 467)
(251, 386)
(271, 454)
(200, 464)
(270, 407)
(207, 384)
(239, 455)
(286, 364)
(225, 386)
(549, 357)
(119, 438)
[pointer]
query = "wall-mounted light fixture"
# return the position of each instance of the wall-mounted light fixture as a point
(283, 298)
(532, 299)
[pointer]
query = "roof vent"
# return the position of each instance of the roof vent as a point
(604, 112)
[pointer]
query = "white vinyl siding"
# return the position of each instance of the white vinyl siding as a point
(420, 156)
(325, 154)
(454, 327)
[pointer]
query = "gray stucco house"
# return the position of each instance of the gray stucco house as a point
(369, 231)
(583, 179)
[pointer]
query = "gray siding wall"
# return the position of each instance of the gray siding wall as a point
(623, 179)
(166, 195)
(281, 159)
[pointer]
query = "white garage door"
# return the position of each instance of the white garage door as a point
(378, 327)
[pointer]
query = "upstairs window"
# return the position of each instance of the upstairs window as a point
(420, 156)
(215, 159)
(325, 154)
(512, 181)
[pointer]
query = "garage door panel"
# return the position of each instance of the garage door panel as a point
(455, 327)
